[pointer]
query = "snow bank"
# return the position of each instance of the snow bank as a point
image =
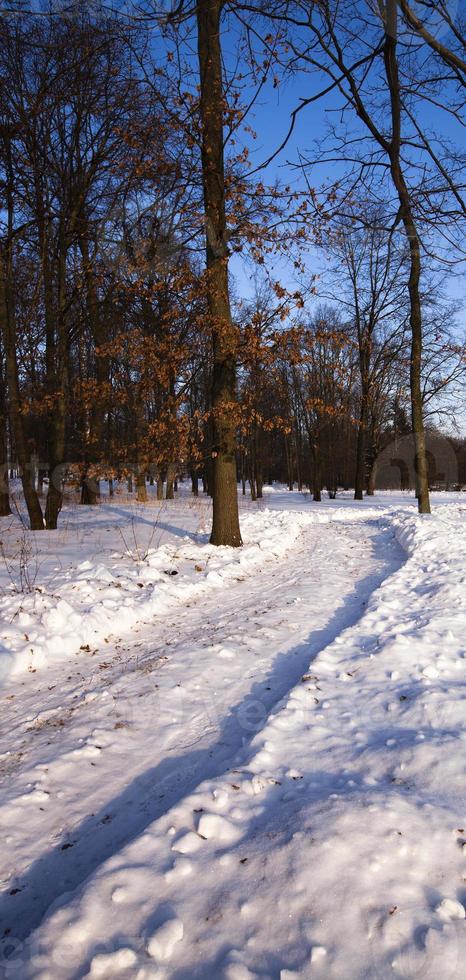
(336, 845)
(90, 602)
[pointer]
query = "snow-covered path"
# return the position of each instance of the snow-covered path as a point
(93, 753)
(262, 781)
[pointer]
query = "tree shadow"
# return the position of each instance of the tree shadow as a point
(50, 879)
(139, 518)
(7, 660)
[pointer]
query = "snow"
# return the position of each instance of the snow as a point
(449, 910)
(255, 770)
(162, 944)
(73, 605)
(107, 965)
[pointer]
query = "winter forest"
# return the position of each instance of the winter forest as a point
(232, 489)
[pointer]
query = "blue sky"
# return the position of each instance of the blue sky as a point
(271, 118)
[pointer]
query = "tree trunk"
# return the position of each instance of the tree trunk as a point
(91, 494)
(5, 508)
(194, 483)
(169, 490)
(243, 474)
(407, 217)
(54, 502)
(258, 457)
(141, 489)
(289, 463)
(372, 478)
(316, 474)
(207, 477)
(8, 326)
(8, 329)
(90, 489)
(225, 527)
(34, 509)
(298, 465)
(56, 352)
(58, 384)
(361, 446)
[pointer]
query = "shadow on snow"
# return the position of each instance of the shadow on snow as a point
(47, 884)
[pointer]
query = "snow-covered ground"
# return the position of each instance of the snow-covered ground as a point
(251, 768)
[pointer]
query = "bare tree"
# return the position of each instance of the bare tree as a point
(368, 282)
(359, 50)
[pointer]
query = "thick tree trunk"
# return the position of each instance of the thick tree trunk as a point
(141, 489)
(54, 502)
(170, 487)
(225, 527)
(8, 329)
(7, 315)
(372, 478)
(5, 508)
(407, 217)
(8, 326)
(90, 489)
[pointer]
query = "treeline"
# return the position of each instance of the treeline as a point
(127, 185)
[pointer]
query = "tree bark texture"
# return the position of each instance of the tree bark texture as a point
(225, 527)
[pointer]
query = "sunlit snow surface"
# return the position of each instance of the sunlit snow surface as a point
(252, 768)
